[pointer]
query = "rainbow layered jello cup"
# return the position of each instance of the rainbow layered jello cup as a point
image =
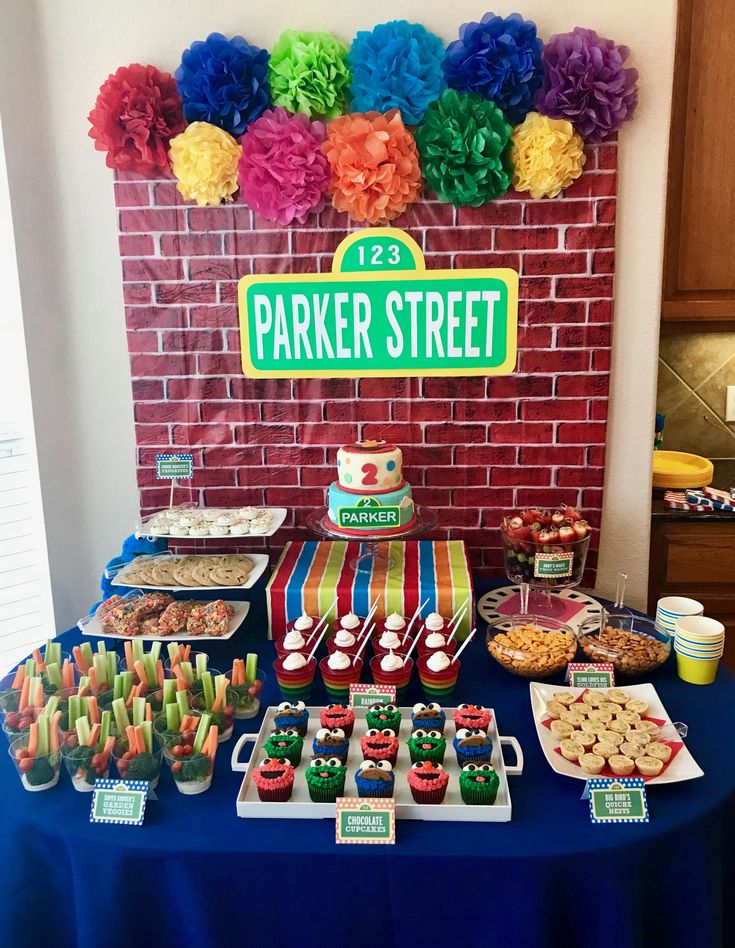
(431, 642)
(344, 641)
(390, 641)
(392, 623)
(295, 675)
(438, 674)
(350, 623)
(292, 641)
(391, 669)
(340, 674)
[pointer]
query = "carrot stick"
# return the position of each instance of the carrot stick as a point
(67, 673)
(187, 723)
(130, 734)
(140, 670)
(187, 652)
(148, 713)
(220, 696)
(20, 673)
(159, 672)
(93, 711)
(39, 659)
(79, 659)
(33, 739)
(129, 656)
(25, 688)
(179, 676)
(94, 735)
(107, 749)
(176, 659)
(92, 675)
(212, 740)
(54, 733)
(139, 740)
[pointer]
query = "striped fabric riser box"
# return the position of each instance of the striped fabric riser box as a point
(310, 574)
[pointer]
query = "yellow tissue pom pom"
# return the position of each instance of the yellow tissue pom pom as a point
(204, 159)
(547, 155)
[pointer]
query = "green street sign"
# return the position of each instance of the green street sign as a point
(618, 800)
(553, 564)
(379, 313)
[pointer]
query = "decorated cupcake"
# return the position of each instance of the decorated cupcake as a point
(429, 716)
(384, 715)
(375, 778)
(331, 742)
(428, 781)
(478, 784)
(472, 715)
(473, 746)
(325, 778)
(426, 745)
(338, 715)
(274, 780)
(292, 714)
(285, 742)
(380, 745)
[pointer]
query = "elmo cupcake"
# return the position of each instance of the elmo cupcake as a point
(428, 781)
(380, 745)
(338, 715)
(274, 780)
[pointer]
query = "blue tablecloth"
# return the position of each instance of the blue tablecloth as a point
(195, 874)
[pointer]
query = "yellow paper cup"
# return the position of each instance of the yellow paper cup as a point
(696, 671)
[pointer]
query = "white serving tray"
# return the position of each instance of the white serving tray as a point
(260, 561)
(488, 604)
(278, 515)
(300, 806)
(682, 767)
(91, 625)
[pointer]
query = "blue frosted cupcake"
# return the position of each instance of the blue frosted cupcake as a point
(472, 746)
(331, 742)
(375, 779)
(428, 716)
(292, 714)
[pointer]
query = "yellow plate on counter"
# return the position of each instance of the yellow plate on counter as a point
(678, 470)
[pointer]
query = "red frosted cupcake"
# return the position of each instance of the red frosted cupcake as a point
(471, 716)
(391, 669)
(338, 715)
(380, 745)
(274, 780)
(428, 781)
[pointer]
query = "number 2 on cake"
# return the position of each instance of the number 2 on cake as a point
(369, 471)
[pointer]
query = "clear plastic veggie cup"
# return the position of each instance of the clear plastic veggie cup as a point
(17, 723)
(225, 718)
(10, 700)
(337, 681)
(248, 704)
(192, 772)
(140, 766)
(193, 654)
(83, 764)
(39, 772)
(400, 677)
(166, 737)
(295, 684)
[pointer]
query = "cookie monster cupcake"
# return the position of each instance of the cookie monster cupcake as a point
(325, 778)
(384, 715)
(426, 745)
(338, 715)
(380, 744)
(285, 742)
(292, 714)
(375, 778)
(478, 784)
(428, 781)
(331, 742)
(473, 746)
(428, 716)
(472, 715)
(274, 780)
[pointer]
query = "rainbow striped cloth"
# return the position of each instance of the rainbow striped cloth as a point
(311, 573)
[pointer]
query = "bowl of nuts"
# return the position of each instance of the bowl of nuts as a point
(531, 646)
(632, 644)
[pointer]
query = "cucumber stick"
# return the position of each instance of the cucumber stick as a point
(208, 689)
(173, 717)
(121, 715)
(251, 668)
(201, 734)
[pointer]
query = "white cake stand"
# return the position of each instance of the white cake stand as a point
(373, 558)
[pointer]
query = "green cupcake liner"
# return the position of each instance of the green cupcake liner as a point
(482, 794)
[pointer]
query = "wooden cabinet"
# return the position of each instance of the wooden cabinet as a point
(699, 258)
(696, 560)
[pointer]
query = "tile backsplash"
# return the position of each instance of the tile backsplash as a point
(693, 370)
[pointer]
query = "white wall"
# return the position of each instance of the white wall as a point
(70, 272)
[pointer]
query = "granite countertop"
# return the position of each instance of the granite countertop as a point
(724, 478)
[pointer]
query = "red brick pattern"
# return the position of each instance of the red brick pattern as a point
(474, 447)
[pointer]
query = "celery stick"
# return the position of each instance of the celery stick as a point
(75, 709)
(51, 706)
(100, 669)
(86, 653)
(173, 650)
(187, 672)
(138, 711)
(155, 651)
(30, 667)
(208, 689)
(173, 718)
(43, 736)
(149, 665)
(147, 727)
(101, 647)
(117, 684)
(121, 715)
(127, 678)
(111, 662)
(201, 663)
(201, 734)
(105, 728)
(48, 653)
(83, 683)
(182, 702)
(169, 690)
(84, 731)
(53, 673)
(251, 668)
(137, 650)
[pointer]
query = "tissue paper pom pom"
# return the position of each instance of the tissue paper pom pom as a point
(499, 59)
(309, 73)
(547, 155)
(224, 82)
(396, 66)
(586, 82)
(204, 159)
(463, 143)
(375, 167)
(283, 172)
(137, 112)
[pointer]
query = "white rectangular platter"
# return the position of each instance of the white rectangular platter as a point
(278, 515)
(300, 807)
(682, 767)
(90, 625)
(260, 562)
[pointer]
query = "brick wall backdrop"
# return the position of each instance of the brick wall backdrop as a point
(473, 447)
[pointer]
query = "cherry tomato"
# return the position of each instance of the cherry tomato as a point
(25, 764)
(187, 750)
(177, 767)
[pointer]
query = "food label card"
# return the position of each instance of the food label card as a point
(174, 467)
(617, 800)
(591, 675)
(363, 695)
(557, 565)
(365, 820)
(119, 801)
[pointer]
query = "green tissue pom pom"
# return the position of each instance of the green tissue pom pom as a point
(308, 73)
(464, 146)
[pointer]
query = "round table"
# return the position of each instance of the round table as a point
(195, 874)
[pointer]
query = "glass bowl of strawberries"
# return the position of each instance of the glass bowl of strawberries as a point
(546, 549)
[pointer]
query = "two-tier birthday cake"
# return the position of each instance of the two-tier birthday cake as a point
(370, 495)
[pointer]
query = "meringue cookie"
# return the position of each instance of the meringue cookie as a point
(391, 662)
(303, 622)
(438, 662)
(394, 622)
(350, 621)
(434, 640)
(389, 640)
(339, 660)
(294, 662)
(293, 641)
(434, 622)
(344, 639)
